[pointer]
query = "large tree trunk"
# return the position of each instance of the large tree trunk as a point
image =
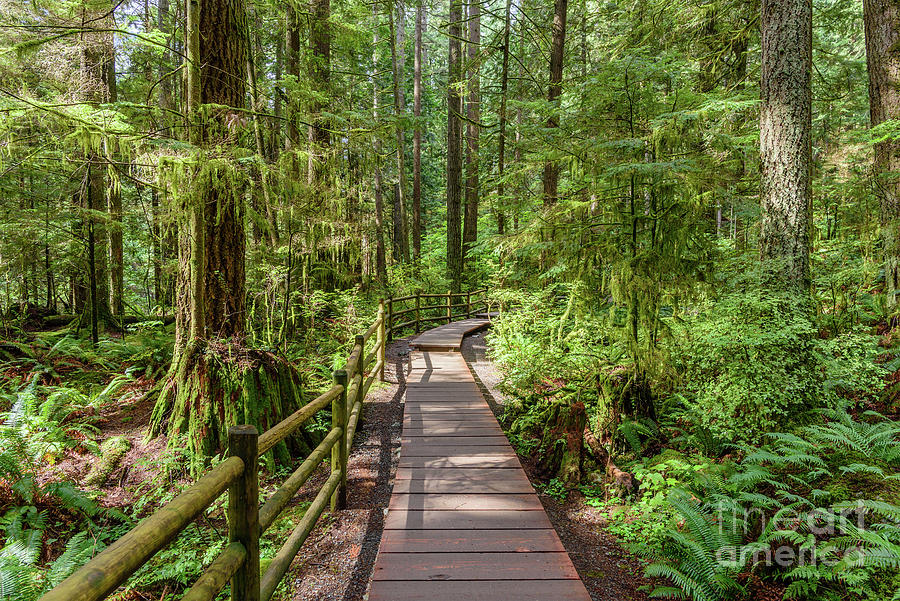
(214, 381)
(380, 260)
(114, 207)
(320, 76)
(417, 134)
(96, 54)
(785, 146)
(501, 142)
(398, 61)
(454, 146)
(882, 21)
(473, 110)
(557, 54)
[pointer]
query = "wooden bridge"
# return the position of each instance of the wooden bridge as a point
(463, 524)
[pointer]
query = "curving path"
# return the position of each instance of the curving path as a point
(464, 523)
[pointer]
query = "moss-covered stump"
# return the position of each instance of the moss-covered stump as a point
(216, 384)
(562, 446)
(111, 453)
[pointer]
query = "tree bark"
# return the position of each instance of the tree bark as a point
(380, 261)
(292, 53)
(97, 51)
(320, 75)
(473, 111)
(501, 141)
(417, 134)
(557, 54)
(882, 23)
(401, 236)
(454, 146)
(785, 144)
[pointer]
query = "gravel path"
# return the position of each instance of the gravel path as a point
(336, 562)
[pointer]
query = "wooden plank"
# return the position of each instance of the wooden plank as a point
(469, 420)
(476, 461)
(481, 590)
(471, 474)
(462, 441)
(466, 520)
(435, 450)
(451, 430)
(470, 541)
(462, 486)
(474, 566)
(474, 502)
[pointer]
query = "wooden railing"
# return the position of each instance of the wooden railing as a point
(411, 312)
(239, 561)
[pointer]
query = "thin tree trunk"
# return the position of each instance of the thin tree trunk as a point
(380, 262)
(397, 67)
(417, 134)
(785, 141)
(473, 110)
(292, 51)
(320, 76)
(557, 50)
(454, 146)
(501, 142)
(882, 22)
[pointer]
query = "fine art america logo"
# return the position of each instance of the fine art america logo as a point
(794, 537)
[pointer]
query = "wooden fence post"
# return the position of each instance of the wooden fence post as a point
(380, 340)
(361, 369)
(449, 306)
(339, 450)
(243, 512)
(418, 314)
(390, 319)
(468, 304)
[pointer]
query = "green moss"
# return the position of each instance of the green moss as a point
(111, 453)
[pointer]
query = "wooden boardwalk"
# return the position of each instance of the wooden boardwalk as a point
(448, 337)
(464, 523)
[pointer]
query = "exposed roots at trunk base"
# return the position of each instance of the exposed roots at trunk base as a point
(561, 449)
(214, 385)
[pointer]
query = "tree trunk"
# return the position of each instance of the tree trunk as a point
(401, 236)
(116, 282)
(562, 445)
(417, 134)
(96, 56)
(380, 261)
(454, 147)
(557, 50)
(473, 110)
(882, 21)
(292, 52)
(501, 142)
(214, 381)
(320, 76)
(785, 146)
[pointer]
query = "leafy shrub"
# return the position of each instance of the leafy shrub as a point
(751, 364)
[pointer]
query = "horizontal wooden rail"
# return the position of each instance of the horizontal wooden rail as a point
(239, 561)
(103, 574)
(451, 307)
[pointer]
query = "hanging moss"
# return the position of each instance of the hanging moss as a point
(214, 385)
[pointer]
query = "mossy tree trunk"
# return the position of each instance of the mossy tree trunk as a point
(215, 381)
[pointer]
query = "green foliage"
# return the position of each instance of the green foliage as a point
(751, 364)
